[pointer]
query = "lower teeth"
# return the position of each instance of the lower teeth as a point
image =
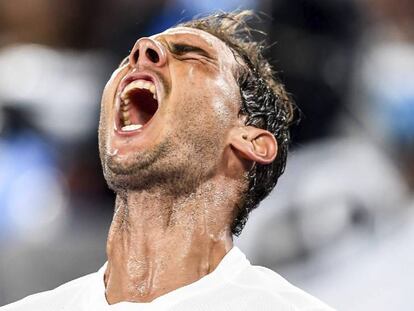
(131, 127)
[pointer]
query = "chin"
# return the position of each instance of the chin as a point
(126, 172)
(167, 175)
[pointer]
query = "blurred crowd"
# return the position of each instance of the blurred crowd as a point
(341, 221)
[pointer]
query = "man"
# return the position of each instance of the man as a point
(193, 134)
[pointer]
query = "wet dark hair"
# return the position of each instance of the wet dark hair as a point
(264, 101)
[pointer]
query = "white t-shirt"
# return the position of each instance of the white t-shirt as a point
(234, 285)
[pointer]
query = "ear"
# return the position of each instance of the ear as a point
(254, 144)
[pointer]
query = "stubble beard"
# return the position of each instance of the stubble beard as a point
(172, 167)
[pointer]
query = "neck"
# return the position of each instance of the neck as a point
(158, 243)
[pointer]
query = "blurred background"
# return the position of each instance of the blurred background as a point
(340, 223)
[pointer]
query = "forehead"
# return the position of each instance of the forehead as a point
(197, 37)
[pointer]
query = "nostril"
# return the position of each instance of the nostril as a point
(135, 56)
(152, 55)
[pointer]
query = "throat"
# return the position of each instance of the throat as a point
(152, 250)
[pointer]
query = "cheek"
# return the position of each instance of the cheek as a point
(226, 100)
(109, 92)
(205, 97)
(106, 113)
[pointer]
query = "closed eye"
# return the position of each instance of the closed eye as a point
(182, 49)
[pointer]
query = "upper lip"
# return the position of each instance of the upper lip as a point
(137, 76)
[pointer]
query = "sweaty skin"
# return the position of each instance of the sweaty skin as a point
(179, 180)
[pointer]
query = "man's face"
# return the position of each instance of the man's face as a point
(166, 111)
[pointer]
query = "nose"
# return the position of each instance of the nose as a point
(147, 52)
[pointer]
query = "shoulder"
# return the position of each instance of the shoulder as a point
(55, 299)
(269, 286)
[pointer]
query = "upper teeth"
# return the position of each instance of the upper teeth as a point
(139, 84)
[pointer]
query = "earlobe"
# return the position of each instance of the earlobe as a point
(254, 144)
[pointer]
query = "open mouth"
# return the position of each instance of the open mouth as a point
(138, 104)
